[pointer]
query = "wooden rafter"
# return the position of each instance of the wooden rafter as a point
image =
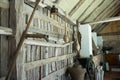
(109, 34)
(75, 8)
(99, 27)
(35, 42)
(108, 12)
(86, 9)
(101, 11)
(92, 10)
(112, 4)
(106, 20)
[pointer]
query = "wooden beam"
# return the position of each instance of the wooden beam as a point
(99, 10)
(98, 27)
(105, 20)
(88, 12)
(34, 64)
(4, 3)
(61, 13)
(75, 8)
(5, 31)
(50, 33)
(109, 34)
(36, 42)
(58, 72)
(86, 9)
(53, 22)
(108, 12)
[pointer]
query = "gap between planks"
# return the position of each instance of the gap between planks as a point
(31, 65)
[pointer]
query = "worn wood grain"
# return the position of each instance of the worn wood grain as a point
(55, 74)
(5, 31)
(4, 3)
(36, 42)
(34, 64)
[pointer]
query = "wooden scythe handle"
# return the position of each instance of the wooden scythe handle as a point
(22, 38)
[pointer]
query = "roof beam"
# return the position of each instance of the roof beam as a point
(88, 14)
(4, 3)
(86, 8)
(61, 13)
(99, 10)
(113, 9)
(100, 27)
(109, 34)
(105, 20)
(75, 8)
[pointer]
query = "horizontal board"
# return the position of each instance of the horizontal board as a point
(50, 33)
(56, 73)
(40, 43)
(4, 3)
(5, 31)
(34, 64)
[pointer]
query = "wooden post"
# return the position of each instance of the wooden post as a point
(3, 43)
(20, 43)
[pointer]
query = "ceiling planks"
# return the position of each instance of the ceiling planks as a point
(81, 9)
(86, 9)
(90, 10)
(106, 14)
(98, 11)
(67, 5)
(75, 8)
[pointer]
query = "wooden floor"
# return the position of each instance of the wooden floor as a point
(111, 75)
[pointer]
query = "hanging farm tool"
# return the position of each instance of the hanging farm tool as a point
(22, 38)
(66, 37)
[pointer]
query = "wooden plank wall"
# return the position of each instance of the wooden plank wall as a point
(45, 61)
(39, 59)
(3, 43)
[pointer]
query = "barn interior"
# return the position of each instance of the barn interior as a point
(59, 39)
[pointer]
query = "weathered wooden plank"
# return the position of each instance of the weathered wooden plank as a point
(34, 64)
(90, 10)
(108, 12)
(74, 9)
(3, 42)
(98, 11)
(105, 20)
(55, 74)
(44, 18)
(3, 55)
(37, 58)
(109, 34)
(88, 6)
(5, 31)
(28, 60)
(4, 3)
(36, 42)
